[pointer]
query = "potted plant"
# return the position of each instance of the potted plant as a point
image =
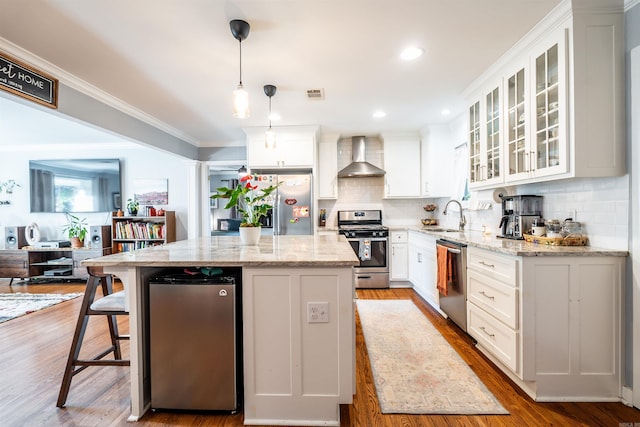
(132, 206)
(76, 230)
(252, 204)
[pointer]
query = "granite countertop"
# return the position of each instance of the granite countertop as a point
(516, 247)
(272, 251)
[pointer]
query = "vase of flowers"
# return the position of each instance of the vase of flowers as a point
(252, 204)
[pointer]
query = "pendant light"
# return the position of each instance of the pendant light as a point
(270, 135)
(242, 172)
(240, 31)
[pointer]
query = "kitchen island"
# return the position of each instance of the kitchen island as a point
(297, 370)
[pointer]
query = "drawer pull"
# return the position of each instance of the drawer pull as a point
(487, 296)
(487, 265)
(483, 329)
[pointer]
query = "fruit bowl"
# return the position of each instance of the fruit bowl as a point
(430, 207)
(430, 221)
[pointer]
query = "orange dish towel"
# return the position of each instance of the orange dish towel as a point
(444, 269)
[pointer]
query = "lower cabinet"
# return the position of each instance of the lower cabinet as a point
(14, 263)
(552, 323)
(297, 368)
(423, 266)
(399, 264)
(32, 263)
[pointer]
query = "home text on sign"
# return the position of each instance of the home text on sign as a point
(28, 83)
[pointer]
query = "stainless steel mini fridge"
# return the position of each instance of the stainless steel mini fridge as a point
(193, 342)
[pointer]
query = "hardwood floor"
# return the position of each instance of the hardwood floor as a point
(35, 347)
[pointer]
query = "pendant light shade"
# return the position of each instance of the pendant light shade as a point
(240, 31)
(270, 135)
(242, 172)
(240, 103)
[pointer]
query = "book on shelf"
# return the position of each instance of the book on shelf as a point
(140, 230)
(132, 246)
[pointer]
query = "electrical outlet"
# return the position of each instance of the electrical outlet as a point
(317, 312)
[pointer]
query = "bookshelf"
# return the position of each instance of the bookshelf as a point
(136, 232)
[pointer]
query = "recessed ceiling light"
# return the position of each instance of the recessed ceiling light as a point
(379, 114)
(411, 53)
(446, 112)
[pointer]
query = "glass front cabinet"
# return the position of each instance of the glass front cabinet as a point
(518, 165)
(558, 110)
(532, 104)
(474, 144)
(549, 139)
(485, 137)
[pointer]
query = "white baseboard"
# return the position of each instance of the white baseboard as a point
(627, 396)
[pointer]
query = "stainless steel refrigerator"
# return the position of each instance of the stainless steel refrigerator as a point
(292, 202)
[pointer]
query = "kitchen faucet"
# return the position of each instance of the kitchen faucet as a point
(463, 220)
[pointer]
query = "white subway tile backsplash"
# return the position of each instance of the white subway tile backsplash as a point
(600, 204)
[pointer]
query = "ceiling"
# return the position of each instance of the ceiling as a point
(176, 60)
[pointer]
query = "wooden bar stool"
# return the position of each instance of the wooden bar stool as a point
(110, 305)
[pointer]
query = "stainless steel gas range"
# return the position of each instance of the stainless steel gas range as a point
(370, 241)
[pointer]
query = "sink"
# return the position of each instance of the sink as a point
(442, 230)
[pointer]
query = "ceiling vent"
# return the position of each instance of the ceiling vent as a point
(315, 94)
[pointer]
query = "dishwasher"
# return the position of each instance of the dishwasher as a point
(195, 350)
(454, 304)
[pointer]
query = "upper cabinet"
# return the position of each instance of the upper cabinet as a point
(517, 122)
(549, 139)
(327, 171)
(295, 148)
(559, 109)
(485, 137)
(402, 166)
(437, 157)
(475, 149)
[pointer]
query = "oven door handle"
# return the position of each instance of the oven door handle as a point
(454, 251)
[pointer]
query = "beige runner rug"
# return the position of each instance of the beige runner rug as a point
(415, 370)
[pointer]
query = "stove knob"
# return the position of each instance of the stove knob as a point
(374, 234)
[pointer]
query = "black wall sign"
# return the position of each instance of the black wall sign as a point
(27, 82)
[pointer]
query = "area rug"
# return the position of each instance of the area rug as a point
(415, 370)
(19, 304)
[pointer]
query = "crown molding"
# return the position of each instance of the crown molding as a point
(88, 89)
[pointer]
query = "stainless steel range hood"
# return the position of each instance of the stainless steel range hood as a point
(359, 167)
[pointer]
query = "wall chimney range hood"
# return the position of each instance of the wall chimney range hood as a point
(359, 167)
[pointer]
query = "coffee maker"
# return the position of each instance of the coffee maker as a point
(518, 213)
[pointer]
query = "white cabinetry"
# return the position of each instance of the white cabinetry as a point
(551, 323)
(437, 160)
(327, 170)
(423, 267)
(295, 148)
(399, 269)
(402, 166)
(485, 135)
(298, 370)
(562, 105)
(536, 113)
(492, 296)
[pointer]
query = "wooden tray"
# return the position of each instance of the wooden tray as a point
(570, 240)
